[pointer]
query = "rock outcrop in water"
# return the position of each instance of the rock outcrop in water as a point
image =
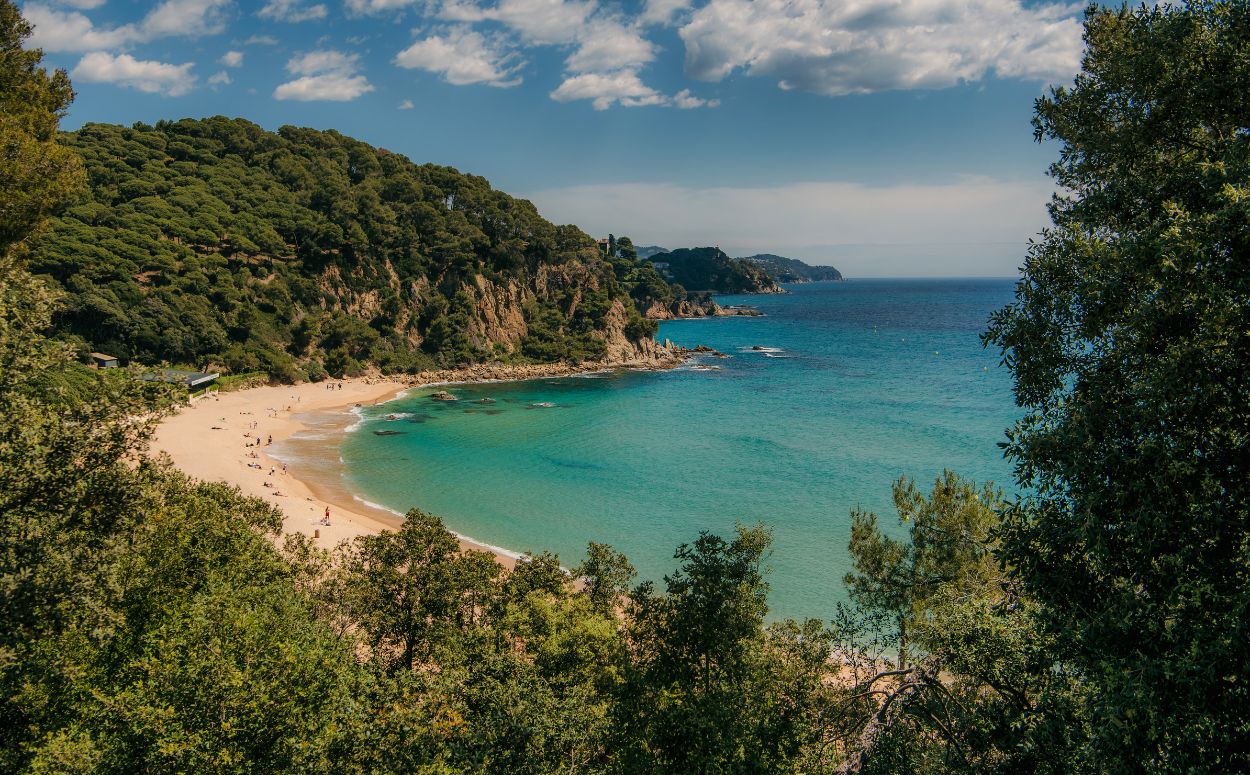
(697, 306)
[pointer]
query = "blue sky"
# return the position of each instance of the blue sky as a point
(885, 137)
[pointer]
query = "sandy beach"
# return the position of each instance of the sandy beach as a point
(229, 437)
(214, 439)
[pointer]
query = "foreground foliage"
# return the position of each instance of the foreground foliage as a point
(1130, 344)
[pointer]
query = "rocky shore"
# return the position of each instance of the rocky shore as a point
(660, 358)
(698, 307)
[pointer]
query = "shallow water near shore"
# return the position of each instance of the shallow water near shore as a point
(861, 382)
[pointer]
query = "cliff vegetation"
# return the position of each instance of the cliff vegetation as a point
(710, 269)
(792, 270)
(215, 243)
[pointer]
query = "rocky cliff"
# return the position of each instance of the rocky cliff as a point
(696, 306)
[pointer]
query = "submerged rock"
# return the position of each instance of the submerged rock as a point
(442, 395)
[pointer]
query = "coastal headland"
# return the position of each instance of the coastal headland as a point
(229, 437)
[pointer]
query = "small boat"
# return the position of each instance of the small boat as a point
(484, 401)
(542, 405)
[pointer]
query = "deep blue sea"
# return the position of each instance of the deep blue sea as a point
(863, 381)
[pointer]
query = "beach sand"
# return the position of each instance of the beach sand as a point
(211, 440)
(214, 440)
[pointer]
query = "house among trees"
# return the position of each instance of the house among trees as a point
(102, 361)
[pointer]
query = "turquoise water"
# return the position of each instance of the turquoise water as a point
(872, 379)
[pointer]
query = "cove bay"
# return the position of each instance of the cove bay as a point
(857, 384)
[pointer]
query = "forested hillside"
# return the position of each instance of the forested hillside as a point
(710, 269)
(792, 270)
(216, 243)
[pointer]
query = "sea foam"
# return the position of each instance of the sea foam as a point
(461, 536)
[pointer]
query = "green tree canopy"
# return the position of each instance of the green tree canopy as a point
(1129, 342)
(948, 546)
(708, 688)
(216, 243)
(37, 174)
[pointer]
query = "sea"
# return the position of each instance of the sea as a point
(825, 400)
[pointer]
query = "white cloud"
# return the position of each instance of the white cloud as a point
(219, 79)
(606, 50)
(543, 22)
(292, 11)
(261, 40)
(378, 6)
(624, 88)
(406, 105)
(325, 75)
(71, 31)
(830, 47)
(605, 89)
(835, 48)
(687, 101)
(232, 59)
(662, 11)
(191, 18)
(331, 87)
(57, 31)
(607, 44)
(463, 56)
(326, 61)
(971, 226)
(83, 5)
(144, 75)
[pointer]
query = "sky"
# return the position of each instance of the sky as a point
(883, 137)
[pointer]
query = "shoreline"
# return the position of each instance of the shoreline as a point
(212, 439)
